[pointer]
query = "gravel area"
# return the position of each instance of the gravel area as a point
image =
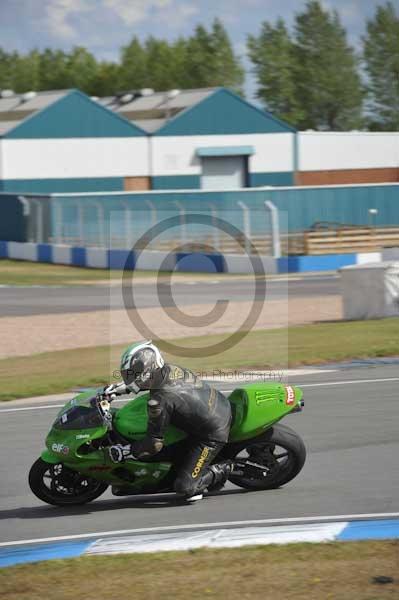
(26, 335)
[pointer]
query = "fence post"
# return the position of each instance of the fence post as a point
(153, 211)
(215, 229)
(128, 225)
(38, 220)
(183, 235)
(81, 223)
(26, 212)
(276, 244)
(58, 221)
(247, 226)
(101, 222)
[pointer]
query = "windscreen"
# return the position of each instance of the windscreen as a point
(79, 417)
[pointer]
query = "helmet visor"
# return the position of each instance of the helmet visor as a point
(134, 372)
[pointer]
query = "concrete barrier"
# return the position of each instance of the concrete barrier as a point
(103, 258)
(370, 291)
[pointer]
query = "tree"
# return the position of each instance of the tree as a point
(7, 62)
(26, 72)
(106, 81)
(160, 64)
(226, 68)
(381, 54)
(81, 70)
(52, 69)
(133, 67)
(272, 54)
(328, 85)
(211, 61)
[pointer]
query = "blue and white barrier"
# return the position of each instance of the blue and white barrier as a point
(179, 539)
(102, 258)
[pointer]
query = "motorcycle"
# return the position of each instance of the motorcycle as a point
(75, 467)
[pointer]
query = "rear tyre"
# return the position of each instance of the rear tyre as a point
(59, 485)
(269, 460)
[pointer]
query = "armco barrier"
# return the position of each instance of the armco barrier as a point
(101, 258)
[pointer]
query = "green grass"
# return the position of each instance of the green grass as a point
(54, 372)
(333, 571)
(20, 272)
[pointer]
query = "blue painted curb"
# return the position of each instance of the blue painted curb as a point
(36, 552)
(370, 530)
(382, 529)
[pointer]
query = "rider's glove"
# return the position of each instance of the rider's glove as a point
(115, 389)
(119, 453)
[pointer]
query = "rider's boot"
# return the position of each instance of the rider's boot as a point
(221, 472)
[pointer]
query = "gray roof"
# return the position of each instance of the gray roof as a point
(151, 111)
(7, 104)
(40, 101)
(6, 126)
(184, 99)
(15, 109)
(149, 125)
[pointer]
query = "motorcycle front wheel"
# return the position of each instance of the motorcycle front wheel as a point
(59, 485)
(269, 460)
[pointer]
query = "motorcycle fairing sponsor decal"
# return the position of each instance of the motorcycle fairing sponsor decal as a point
(60, 448)
(289, 394)
(261, 397)
(141, 472)
(82, 436)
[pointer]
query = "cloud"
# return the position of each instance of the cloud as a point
(57, 13)
(178, 15)
(134, 11)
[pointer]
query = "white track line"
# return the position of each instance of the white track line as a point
(350, 382)
(302, 385)
(194, 526)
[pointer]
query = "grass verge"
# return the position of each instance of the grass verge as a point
(20, 272)
(54, 372)
(295, 571)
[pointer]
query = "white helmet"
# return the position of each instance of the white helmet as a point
(139, 363)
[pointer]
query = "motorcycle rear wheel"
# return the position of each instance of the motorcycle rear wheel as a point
(281, 453)
(61, 486)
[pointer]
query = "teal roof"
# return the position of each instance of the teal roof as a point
(222, 113)
(73, 115)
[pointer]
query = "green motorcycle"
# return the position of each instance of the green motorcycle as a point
(75, 467)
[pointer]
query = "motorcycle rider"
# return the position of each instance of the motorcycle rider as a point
(179, 398)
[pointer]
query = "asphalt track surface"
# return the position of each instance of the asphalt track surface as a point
(350, 427)
(19, 301)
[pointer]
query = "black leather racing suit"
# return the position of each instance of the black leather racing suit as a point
(180, 398)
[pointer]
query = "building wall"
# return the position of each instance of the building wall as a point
(69, 185)
(75, 158)
(175, 163)
(350, 176)
(328, 158)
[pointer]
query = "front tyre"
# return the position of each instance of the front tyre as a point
(269, 460)
(59, 485)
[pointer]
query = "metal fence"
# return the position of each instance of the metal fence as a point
(120, 220)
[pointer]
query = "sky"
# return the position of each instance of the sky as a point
(104, 26)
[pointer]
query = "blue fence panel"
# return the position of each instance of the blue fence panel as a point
(109, 219)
